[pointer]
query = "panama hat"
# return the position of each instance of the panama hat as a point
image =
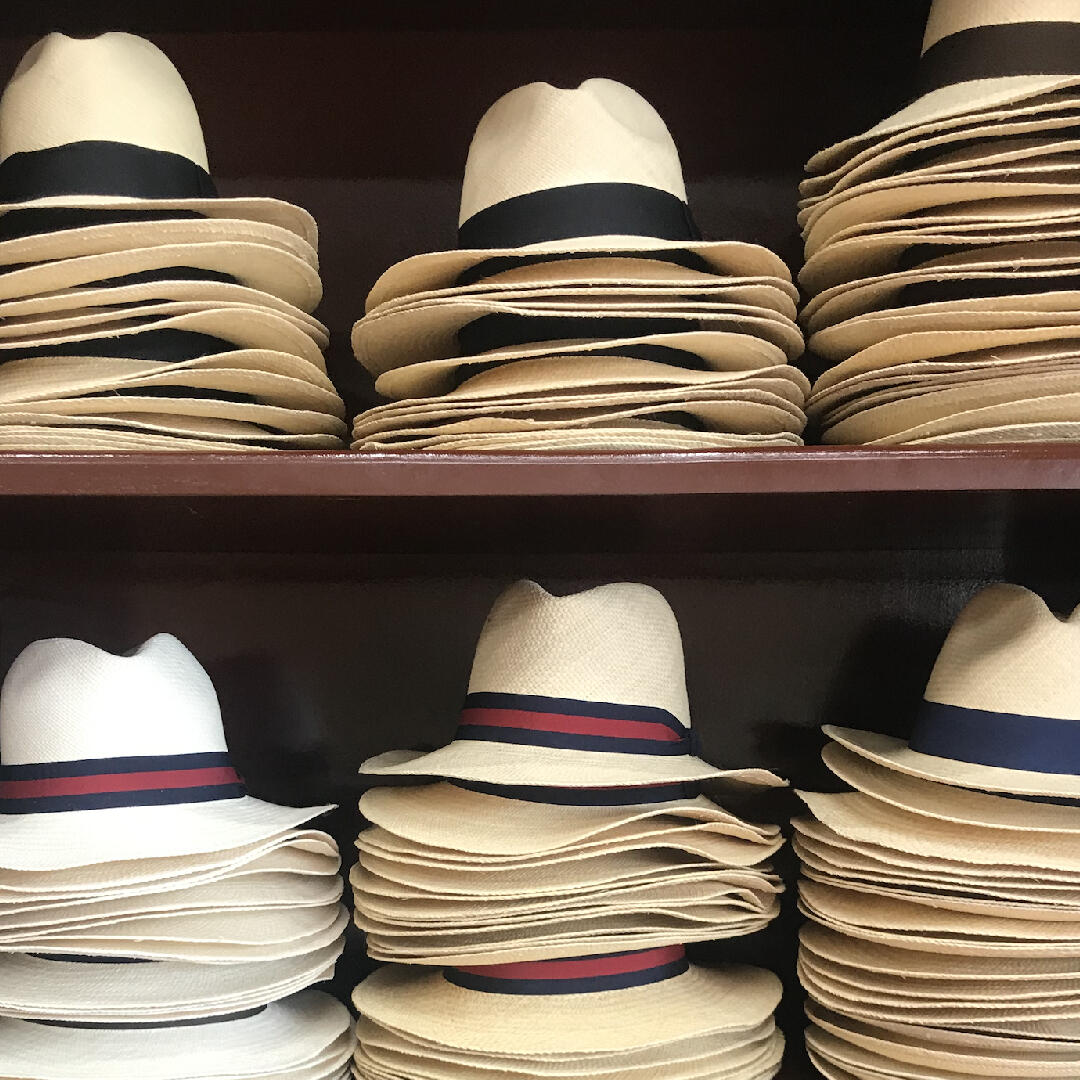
(473, 328)
(735, 349)
(50, 988)
(979, 55)
(596, 1004)
(106, 124)
(577, 690)
(275, 1040)
(997, 712)
(85, 779)
(93, 437)
(536, 820)
(554, 174)
(643, 437)
(114, 297)
(697, 1056)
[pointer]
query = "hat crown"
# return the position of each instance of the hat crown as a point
(617, 643)
(112, 88)
(948, 17)
(539, 137)
(1008, 653)
(67, 700)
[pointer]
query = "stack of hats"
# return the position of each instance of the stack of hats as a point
(944, 891)
(943, 245)
(139, 311)
(581, 310)
(142, 891)
(547, 880)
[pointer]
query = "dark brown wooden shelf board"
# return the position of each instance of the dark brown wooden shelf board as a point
(808, 470)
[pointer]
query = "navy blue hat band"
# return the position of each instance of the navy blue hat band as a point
(1042, 744)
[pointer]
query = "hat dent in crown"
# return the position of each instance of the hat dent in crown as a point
(617, 643)
(539, 137)
(1008, 653)
(113, 88)
(67, 700)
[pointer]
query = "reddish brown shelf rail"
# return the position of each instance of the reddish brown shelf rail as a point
(777, 472)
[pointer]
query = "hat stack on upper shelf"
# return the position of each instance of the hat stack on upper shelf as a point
(543, 885)
(581, 309)
(142, 891)
(139, 311)
(943, 245)
(944, 891)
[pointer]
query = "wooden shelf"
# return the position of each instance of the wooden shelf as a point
(803, 471)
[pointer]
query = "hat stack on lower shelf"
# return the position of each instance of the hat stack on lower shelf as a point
(139, 311)
(943, 246)
(142, 892)
(581, 311)
(543, 887)
(944, 891)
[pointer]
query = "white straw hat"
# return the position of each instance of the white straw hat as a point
(1002, 709)
(580, 690)
(567, 173)
(577, 1006)
(307, 1029)
(106, 123)
(117, 758)
(980, 55)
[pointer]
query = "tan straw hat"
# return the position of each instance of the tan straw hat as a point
(556, 174)
(1002, 708)
(573, 691)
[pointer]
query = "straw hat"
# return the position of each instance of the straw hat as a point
(107, 124)
(579, 690)
(55, 988)
(578, 1006)
(307, 1030)
(1002, 708)
(567, 173)
(980, 55)
(86, 779)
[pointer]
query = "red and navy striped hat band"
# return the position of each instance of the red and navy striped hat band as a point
(570, 724)
(580, 975)
(104, 783)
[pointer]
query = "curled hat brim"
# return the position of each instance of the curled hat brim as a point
(896, 754)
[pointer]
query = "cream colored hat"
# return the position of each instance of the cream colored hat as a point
(1002, 708)
(556, 174)
(107, 124)
(979, 55)
(279, 1040)
(580, 690)
(85, 778)
(591, 1005)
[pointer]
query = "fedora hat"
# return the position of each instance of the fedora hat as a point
(85, 779)
(1001, 711)
(556, 174)
(580, 690)
(591, 1005)
(104, 129)
(980, 55)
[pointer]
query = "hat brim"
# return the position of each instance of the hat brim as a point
(268, 211)
(84, 438)
(442, 269)
(442, 815)
(286, 1035)
(507, 763)
(944, 106)
(701, 1001)
(896, 754)
(257, 266)
(34, 988)
(58, 841)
